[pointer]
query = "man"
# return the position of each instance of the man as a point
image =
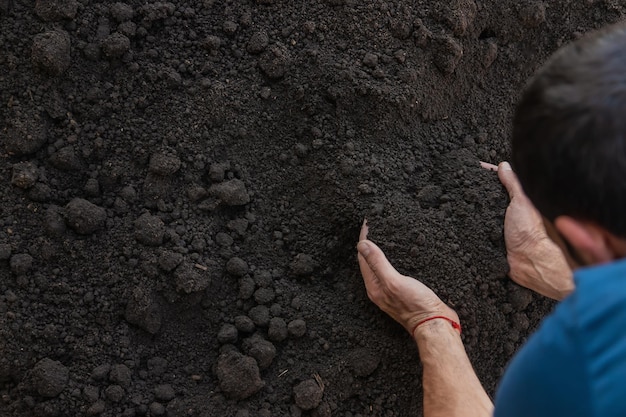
(569, 152)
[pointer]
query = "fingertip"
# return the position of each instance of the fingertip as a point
(508, 178)
(364, 230)
(488, 166)
(364, 248)
(504, 171)
(505, 166)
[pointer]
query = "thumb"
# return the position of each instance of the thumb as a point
(374, 264)
(509, 180)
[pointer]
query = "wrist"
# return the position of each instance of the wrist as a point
(433, 326)
(542, 269)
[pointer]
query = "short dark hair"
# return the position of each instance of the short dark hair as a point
(569, 132)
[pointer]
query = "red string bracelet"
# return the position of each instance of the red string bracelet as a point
(454, 324)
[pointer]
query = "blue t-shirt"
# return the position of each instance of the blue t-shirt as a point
(575, 364)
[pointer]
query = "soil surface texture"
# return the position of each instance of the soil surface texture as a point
(183, 184)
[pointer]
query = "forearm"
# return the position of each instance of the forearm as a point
(543, 269)
(451, 387)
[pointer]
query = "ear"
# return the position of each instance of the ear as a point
(591, 241)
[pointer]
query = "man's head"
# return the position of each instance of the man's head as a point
(569, 143)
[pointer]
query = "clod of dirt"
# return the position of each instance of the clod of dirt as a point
(49, 377)
(26, 134)
(121, 12)
(190, 279)
(448, 54)
(164, 392)
(143, 311)
(364, 362)
(277, 330)
(308, 394)
(264, 295)
(370, 60)
(51, 10)
(115, 45)
(519, 321)
(429, 196)
(229, 27)
(128, 29)
(261, 350)
(238, 226)
(163, 164)
(92, 187)
(65, 159)
(244, 324)
(40, 192)
(231, 193)
(532, 14)
(246, 287)
(54, 223)
(157, 11)
(237, 267)
(149, 230)
(114, 393)
(196, 193)
(84, 217)
(96, 408)
(218, 170)
(212, 43)
(461, 15)
(25, 174)
(121, 375)
(169, 260)
(400, 29)
(274, 61)
(224, 239)
(5, 251)
(258, 42)
(227, 334)
(157, 365)
(260, 315)
(263, 278)
(21, 263)
(238, 375)
(99, 373)
(303, 265)
(157, 409)
(520, 298)
(51, 52)
(297, 328)
(91, 393)
(421, 34)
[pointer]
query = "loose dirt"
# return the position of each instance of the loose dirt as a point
(183, 184)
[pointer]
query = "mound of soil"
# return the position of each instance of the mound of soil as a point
(184, 182)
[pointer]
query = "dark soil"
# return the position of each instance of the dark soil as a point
(184, 183)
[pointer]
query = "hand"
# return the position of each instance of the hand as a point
(405, 299)
(535, 260)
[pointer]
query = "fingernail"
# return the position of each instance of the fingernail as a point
(364, 230)
(506, 166)
(487, 165)
(363, 248)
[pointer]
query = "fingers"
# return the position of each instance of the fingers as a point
(509, 180)
(364, 231)
(487, 165)
(374, 264)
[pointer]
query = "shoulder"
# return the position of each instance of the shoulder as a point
(548, 372)
(600, 306)
(574, 363)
